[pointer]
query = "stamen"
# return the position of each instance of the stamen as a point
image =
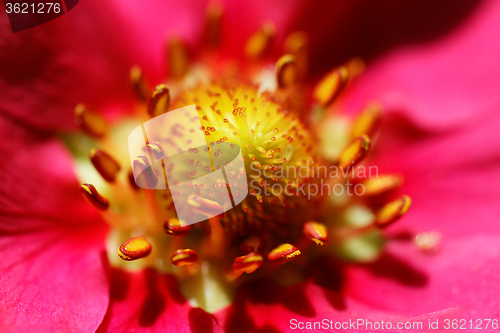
(428, 242)
(252, 244)
(93, 197)
(104, 164)
(178, 58)
(135, 248)
(286, 71)
(329, 87)
(92, 123)
(381, 185)
(204, 206)
(173, 227)
(146, 177)
(248, 263)
(139, 83)
(297, 44)
(213, 23)
(354, 152)
(259, 44)
(356, 66)
(393, 211)
(316, 232)
(156, 149)
(184, 257)
(368, 121)
(159, 101)
(283, 253)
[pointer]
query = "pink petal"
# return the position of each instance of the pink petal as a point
(462, 275)
(453, 178)
(79, 57)
(441, 84)
(53, 270)
(147, 301)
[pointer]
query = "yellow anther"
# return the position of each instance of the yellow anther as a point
(283, 253)
(316, 232)
(393, 211)
(286, 71)
(184, 257)
(248, 263)
(174, 227)
(329, 87)
(139, 83)
(93, 197)
(297, 44)
(354, 152)
(91, 122)
(159, 101)
(381, 185)
(135, 248)
(260, 42)
(368, 121)
(106, 165)
(178, 58)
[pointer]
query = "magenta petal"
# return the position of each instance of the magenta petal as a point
(53, 276)
(51, 281)
(453, 178)
(463, 274)
(78, 57)
(148, 301)
(440, 84)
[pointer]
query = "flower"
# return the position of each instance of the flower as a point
(54, 243)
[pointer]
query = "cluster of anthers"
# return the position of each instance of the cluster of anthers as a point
(270, 116)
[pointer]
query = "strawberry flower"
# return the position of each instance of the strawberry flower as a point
(273, 263)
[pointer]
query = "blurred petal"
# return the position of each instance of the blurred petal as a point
(148, 301)
(53, 273)
(341, 30)
(441, 84)
(150, 24)
(79, 57)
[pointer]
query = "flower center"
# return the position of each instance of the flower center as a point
(274, 145)
(288, 212)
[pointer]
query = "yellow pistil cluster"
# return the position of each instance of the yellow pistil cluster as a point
(275, 146)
